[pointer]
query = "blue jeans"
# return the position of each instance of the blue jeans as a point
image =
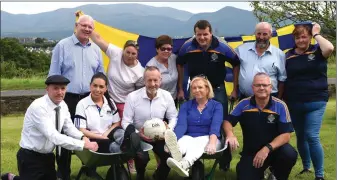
(307, 121)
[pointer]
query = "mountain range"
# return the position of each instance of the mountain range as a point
(136, 18)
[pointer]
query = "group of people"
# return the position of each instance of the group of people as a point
(87, 108)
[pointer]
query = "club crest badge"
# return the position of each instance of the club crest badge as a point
(214, 57)
(311, 57)
(271, 119)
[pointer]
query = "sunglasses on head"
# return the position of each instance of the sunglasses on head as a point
(202, 76)
(165, 49)
(131, 43)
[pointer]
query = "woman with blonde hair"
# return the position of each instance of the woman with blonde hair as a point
(198, 127)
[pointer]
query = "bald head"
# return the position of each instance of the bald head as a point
(264, 25)
(85, 18)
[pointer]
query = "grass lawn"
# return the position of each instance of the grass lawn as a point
(11, 128)
(23, 83)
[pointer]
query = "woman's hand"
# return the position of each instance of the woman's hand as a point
(210, 148)
(316, 28)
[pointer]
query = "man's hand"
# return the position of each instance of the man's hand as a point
(145, 138)
(260, 157)
(93, 146)
(210, 148)
(180, 95)
(233, 142)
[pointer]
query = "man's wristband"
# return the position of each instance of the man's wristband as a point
(316, 35)
(269, 147)
(82, 137)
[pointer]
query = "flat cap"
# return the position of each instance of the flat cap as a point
(57, 79)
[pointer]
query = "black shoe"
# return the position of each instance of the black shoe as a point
(319, 178)
(131, 141)
(304, 171)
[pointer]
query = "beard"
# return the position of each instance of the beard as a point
(152, 91)
(262, 44)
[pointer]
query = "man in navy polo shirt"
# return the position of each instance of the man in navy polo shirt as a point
(266, 128)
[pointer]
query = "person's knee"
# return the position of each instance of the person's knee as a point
(312, 137)
(289, 154)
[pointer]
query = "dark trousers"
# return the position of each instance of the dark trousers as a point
(142, 159)
(64, 161)
(34, 165)
(281, 160)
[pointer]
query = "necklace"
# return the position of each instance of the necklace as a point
(202, 107)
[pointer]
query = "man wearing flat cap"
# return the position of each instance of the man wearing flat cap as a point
(43, 122)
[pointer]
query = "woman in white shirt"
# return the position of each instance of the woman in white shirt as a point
(165, 61)
(98, 118)
(125, 73)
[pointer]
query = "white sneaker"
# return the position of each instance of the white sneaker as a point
(178, 167)
(172, 145)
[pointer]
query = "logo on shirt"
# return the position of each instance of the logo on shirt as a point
(214, 57)
(311, 57)
(271, 119)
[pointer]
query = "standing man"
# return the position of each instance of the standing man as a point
(77, 59)
(43, 121)
(266, 128)
(206, 54)
(147, 103)
(261, 56)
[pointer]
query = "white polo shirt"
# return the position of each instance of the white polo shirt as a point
(90, 117)
(139, 108)
(122, 78)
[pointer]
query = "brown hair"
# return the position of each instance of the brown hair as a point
(163, 39)
(203, 24)
(299, 29)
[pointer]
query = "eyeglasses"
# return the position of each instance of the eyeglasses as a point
(263, 85)
(86, 26)
(131, 43)
(165, 49)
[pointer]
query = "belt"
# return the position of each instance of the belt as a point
(80, 96)
(31, 152)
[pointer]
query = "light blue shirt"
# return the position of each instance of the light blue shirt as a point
(272, 62)
(76, 62)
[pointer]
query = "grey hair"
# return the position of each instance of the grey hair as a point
(262, 74)
(151, 68)
(87, 17)
(264, 24)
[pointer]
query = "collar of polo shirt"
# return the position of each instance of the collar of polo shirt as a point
(270, 102)
(92, 103)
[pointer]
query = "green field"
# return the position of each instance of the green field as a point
(11, 128)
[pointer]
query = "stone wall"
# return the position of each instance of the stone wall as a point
(16, 104)
(19, 104)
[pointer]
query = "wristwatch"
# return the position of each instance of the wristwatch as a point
(269, 147)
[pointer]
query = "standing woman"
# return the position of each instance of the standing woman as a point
(125, 73)
(306, 93)
(165, 61)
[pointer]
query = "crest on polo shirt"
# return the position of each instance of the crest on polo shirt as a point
(271, 119)
(311, 57)
(214, 57)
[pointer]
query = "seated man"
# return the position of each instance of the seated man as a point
(266, 129)
(147, 103)
(197, 129)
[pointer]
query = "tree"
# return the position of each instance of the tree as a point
(281, 13)
(39, 40)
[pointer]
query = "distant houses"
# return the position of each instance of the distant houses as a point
(47, 50)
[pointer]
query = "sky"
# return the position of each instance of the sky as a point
(193, 7)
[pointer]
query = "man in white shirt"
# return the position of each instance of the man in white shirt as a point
(43, 122)
(147, 103)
